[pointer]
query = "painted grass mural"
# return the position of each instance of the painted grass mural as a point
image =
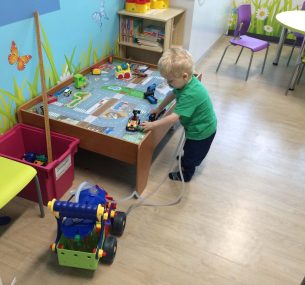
(10, 101)
(263, 15)
(67, 49)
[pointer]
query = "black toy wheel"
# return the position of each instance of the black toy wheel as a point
(109, 247)
(118, 223)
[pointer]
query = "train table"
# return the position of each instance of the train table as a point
(97, 105)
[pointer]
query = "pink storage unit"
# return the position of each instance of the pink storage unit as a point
(56, 177)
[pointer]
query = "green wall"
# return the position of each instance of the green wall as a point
(263, 15)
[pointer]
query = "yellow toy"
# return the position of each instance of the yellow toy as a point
(123, 71)
(96, 71)
(130, 5)
(159, 4)
(137, 6)
(141, 6)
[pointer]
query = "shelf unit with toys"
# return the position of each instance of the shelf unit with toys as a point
(144, 36)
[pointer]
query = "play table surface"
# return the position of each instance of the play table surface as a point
(98, 113)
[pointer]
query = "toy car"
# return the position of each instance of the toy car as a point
(133, 123)
(56, 94)
(138, 73)
(150, 94)
(84, 228)
(153, 117)
(67, 92)
(96, 71)
(39, 109)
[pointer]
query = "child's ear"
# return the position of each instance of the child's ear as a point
(185, 76)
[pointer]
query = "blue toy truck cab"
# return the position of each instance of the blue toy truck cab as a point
(150, 94)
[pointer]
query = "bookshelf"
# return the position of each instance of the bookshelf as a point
(144, 36)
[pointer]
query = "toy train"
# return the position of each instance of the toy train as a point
(123, 71)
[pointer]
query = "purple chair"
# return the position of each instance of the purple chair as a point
(240, 39)
(298, 38)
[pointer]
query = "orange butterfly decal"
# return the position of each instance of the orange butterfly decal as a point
(14, 57)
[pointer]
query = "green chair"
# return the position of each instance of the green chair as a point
(14, 176)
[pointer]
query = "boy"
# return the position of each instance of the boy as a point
(193, 108)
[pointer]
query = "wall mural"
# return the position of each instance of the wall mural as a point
(263, 15)
(19, 60)
(100, 15)
(86, 43)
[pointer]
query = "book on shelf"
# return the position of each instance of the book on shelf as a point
(130, 26)
(149, 38)
(148, 43)
(132, 30)
(154, 31)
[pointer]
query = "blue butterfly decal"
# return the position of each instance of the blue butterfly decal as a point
(100, 15)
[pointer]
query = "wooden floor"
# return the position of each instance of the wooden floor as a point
(242, 219)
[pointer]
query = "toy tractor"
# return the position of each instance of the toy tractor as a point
(133, 123)
(84, 228)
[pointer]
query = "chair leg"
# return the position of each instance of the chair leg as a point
(239, 55)
(301, 73)
(222, 57)
(249, 65)
(293, 78)
(39, 197)
(297, 70)
(294, 44)
(265, 60)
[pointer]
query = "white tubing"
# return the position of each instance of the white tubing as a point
(132, 195)
(82, 186)
(143, 200)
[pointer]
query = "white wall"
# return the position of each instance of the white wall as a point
(206, 21)
(188, 5)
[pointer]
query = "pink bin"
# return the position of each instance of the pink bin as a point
(55, 178)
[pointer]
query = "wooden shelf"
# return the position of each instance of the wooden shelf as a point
(161, 15)
(170, 20)
(144, 47)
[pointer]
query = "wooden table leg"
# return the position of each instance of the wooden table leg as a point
(144, 159)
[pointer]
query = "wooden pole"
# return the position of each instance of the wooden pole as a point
(44, 90)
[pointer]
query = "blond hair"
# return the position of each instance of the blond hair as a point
(176, 62)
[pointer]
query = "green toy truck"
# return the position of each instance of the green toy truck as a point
(79, 81)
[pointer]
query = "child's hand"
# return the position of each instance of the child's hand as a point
(147, 126)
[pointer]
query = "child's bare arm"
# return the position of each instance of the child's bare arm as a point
(169, 98)
(167, 120)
